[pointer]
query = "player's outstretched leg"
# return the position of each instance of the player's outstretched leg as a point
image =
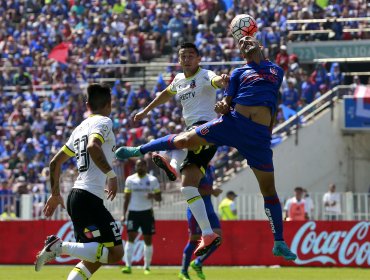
(51, 250)
(162, 163)
(127, 152)
(161, 144)
(282, 249)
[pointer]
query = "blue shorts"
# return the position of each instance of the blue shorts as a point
(251, 139)
(194, 228)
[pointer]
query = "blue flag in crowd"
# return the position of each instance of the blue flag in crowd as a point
(161, 82)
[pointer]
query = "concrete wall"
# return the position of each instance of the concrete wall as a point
(324, 154)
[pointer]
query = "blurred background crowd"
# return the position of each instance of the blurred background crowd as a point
(51, 49)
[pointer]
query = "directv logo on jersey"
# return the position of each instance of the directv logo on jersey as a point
(187, 95)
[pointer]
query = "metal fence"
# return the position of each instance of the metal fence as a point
(354, 206)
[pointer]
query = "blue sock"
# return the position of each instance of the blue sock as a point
(201, 259)
(160, 144)
(275, 216)
(188, 252)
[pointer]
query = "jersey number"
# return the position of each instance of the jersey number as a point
(82, 156)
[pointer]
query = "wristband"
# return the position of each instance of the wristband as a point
(111, 174)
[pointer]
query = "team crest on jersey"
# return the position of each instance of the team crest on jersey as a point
(273, 71)
(192, 84)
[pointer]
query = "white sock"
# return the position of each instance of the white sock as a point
(91, 252)
(148, 253)
(79, 272)
(129, 248)
(197, 207)
(177, 157)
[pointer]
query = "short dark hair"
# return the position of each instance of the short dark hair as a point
(231, 193)
(98, 96)
(298, 189)
(188, 45)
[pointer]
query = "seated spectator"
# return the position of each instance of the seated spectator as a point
(176, 28)
(159, 35)
(290, 95)
(319, 76)
(142, 96)
(48, 105)
(22, 78)
(307, 89)
(282, 58)
(131, 101)
(28, 150)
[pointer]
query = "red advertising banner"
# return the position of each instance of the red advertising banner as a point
(318, 243)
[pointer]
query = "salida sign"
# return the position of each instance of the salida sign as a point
(315, 243)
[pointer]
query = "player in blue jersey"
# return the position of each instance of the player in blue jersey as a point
(206, 190)
(248, 107)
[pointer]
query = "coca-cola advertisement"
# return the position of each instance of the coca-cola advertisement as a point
(316, 243)
(332, 244)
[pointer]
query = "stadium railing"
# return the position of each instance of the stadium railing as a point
(334, 19)
(354, 206)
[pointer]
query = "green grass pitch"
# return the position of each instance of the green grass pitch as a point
(55, 272)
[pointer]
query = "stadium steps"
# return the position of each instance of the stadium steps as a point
(152, 72)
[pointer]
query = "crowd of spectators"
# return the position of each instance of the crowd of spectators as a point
(49, 44)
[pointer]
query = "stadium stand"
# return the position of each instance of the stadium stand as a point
(50, 50)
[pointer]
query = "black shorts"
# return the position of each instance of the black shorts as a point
(92, 222)
(141, 219)
(201, 157)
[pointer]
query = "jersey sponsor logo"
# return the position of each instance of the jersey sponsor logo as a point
(187, 95)
(251, 76)
(273, 70)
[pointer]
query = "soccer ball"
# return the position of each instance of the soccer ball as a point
(243, 25)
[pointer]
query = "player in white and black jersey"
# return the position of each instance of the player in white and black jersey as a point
(140, 190)
(196, 88)
(97, 234)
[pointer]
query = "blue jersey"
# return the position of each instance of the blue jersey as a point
(256, 84)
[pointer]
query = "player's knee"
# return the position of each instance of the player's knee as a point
(181, 141)
(184, 141)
